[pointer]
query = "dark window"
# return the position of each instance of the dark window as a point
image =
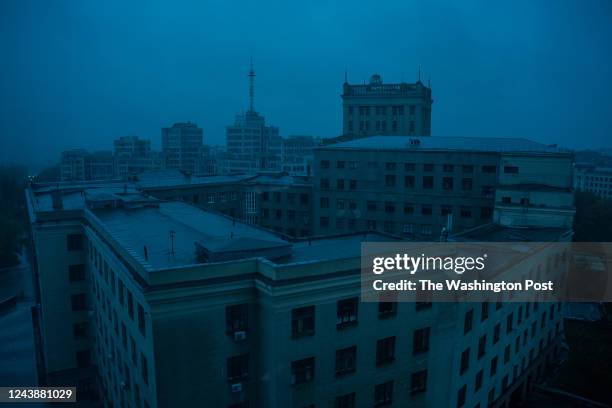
(387, 309)
(408, 209)
(347, 310)
(383, 394)
(78, 302)
(345, 401)
(371, 205)
(390, 166)
(340, 184)
(346, 360)
(493, 366)
(428, 167)
(385, 350)
(489, 169)
(467, 321)
(80, 330)
(482, 345)
(446, 210)
(465, 361)
(352, 184)
(144, 369)
(141, 320)
(302, 371)
(467, 168)
(466, 212)
(324, 221)
(506, 200)
(340, 164)
(447, 183)
(236, 318)
(324, 184)
(478, 380)
(238, 368)
(303, 321)
(74, 242)
(325, 164)
(409, 167)
(428, 182)
(426, 210)
(324, 202)
(409, 181)
(509, 323)
(461, 395)
(496, 333)
(420, 340)
(484, 311)
(487, 191)
(389, 207)
(76, 273)
(507, 354)
(466, 184)
(486, 212)
(418, 382)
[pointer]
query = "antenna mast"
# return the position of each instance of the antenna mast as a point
(251, 87)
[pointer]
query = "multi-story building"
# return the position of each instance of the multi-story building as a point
(79, 164)
(386, 109)
(423, 187)
(134, 155)
(594, 179)
(297, 154)
(181, 146)
(170, 304)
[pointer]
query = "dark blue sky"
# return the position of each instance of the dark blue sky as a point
(81, 73)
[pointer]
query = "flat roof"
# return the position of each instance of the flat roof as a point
(176, 178)
(498, 233)
(433, 143)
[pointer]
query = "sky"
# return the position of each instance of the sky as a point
(78, 74)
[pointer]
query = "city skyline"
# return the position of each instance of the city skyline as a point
(123, 87)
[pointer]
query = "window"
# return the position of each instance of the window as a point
(420, 340)
(466, 212)
(324, 221)
(487, 191)
(482, 346)
(484, 311)
(428, 167)
(390, 166)
(390, 180)
(353, 184)
(303, 321)
(489, 169)
(385, 350)
(80, 330)
(346, 361)
(418, 382)
(496, 333)
(509, 323)
(325, 164)
(345, 401)
(467, 168)
(506, 200)
(76, 273)
(340, 184)
(511, 169)
(236, 318)
(371, 205)
(426, 210)
(347, 310)
(461, 396)
(387, 309)
(467, 322)
(144, 369)
(486, 212)
(466, 184)
(408, 208)
(389, 207)
(493, 366)
(78, 302)
(238, 368)
(302, 371)
(465, 361)
(507, 354)
(74, 242)
(448, 168)
(409, 167)
(383, 394)
(478, 380)
(324, 202)
(428, 182)
(141, 320)
(340, 164)
(409, 181)
(130, 304)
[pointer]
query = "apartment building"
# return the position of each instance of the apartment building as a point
(377, 108)
(79, 164)
(181, 144)
(169, 304)
(424, 187)
(594, 179)
(133, 155)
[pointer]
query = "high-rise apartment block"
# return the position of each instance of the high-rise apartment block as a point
(181, 145)
(377, 108)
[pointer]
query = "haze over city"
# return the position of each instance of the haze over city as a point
(80, 74)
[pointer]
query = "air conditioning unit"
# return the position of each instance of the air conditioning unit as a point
(239, 335)
(237, 387)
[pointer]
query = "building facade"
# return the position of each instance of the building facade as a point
(386, 109)
(594, 179)
(181, 146)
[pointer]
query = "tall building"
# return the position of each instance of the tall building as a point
(423, 187)
(181, 145)
(386, 109)
(297, 154)
(594, 179)
(134, 155)
(79, 164)
(251, 144)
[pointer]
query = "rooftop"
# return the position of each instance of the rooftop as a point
(434, 143)
(497, 233)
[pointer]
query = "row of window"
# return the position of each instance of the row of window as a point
(425, 167)
(382, 109)
(292, 198)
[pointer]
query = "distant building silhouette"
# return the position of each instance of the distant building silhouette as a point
(181, 144)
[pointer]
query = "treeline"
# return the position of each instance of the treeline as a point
(593, 219)
(12, 213)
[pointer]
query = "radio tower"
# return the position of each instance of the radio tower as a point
(251, 87)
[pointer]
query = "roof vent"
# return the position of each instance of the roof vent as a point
(415, 142)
